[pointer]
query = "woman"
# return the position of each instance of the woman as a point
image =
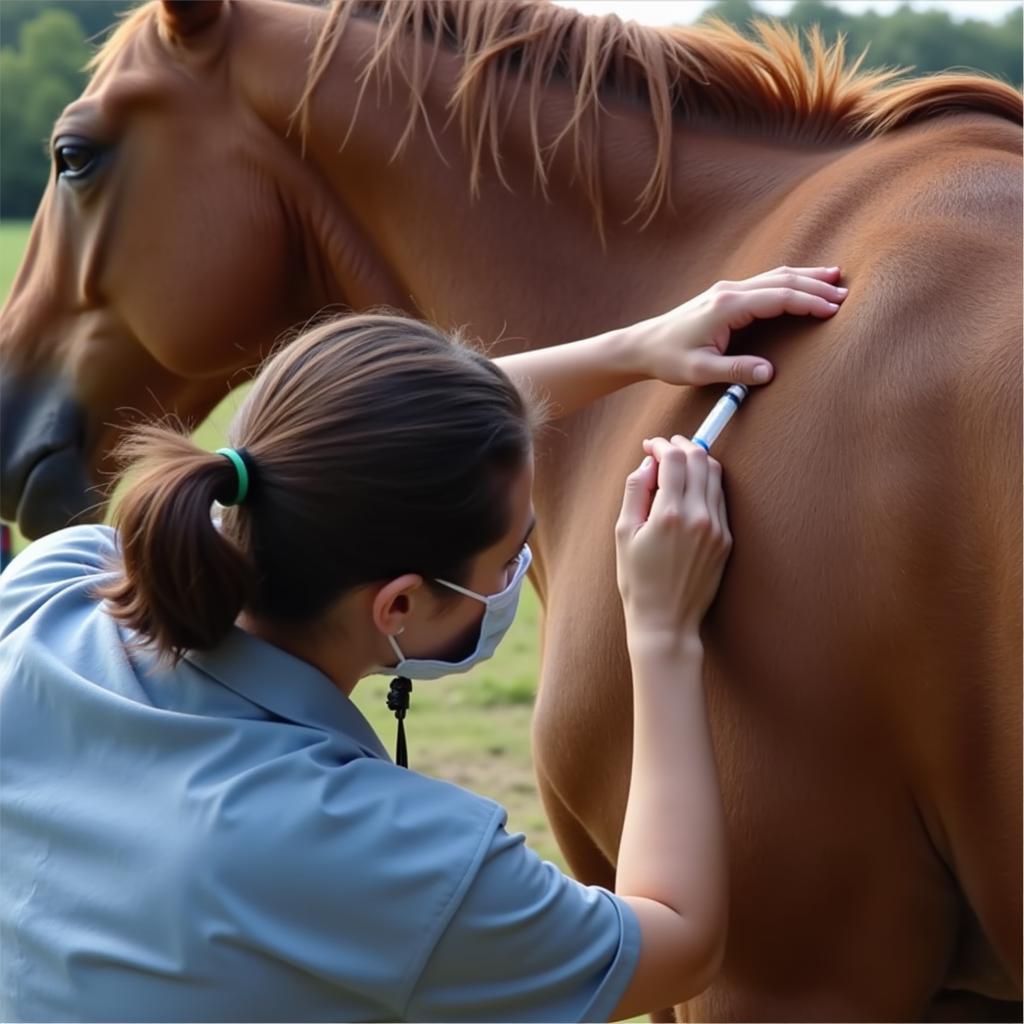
(198, 824)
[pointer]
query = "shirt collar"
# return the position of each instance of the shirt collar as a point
(287, 686)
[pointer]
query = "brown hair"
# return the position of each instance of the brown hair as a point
(380, 445)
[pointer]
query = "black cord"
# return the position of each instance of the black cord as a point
(398, 701)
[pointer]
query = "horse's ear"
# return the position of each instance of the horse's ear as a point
(184, 18)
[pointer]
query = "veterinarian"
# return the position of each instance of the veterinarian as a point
(197, 822)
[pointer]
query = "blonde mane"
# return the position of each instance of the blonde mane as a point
(128, 26)
(708, 73)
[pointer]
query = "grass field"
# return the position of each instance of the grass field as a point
(472, 730)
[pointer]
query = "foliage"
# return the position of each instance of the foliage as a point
(36, 81)
(928, 41)
(94, 17)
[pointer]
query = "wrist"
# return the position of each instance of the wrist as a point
(678, 643)
(623, 353)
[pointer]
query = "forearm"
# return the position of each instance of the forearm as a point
(673, 846)
(577, 373)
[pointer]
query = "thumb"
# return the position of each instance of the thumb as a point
(712, 368)
(636, 501)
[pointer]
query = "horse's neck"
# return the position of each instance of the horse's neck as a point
(405, 232)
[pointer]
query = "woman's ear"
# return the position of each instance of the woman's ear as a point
(392, 602)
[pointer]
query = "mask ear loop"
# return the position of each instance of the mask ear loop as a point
(486, 599)
(463, 590)
(398, 701)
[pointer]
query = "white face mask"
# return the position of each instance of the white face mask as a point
(498, 616)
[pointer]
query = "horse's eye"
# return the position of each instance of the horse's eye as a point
(74, 159)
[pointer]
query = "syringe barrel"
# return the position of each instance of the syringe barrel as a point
(722, 412)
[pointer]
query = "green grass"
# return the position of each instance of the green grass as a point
(473, 730)
(13, 239)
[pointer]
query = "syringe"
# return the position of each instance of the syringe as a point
(723, 411)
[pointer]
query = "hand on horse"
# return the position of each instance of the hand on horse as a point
(672, 539)
(687, 344)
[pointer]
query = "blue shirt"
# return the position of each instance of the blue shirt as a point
(228, 840)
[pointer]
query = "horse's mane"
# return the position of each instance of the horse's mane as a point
(708, 73)
(127, 28)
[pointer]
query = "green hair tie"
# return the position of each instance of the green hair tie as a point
(243, 475)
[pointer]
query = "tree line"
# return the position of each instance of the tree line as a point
(44, 45)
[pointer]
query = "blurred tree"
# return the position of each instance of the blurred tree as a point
(36, 82)
(736, 12)
(928, 40)
(805, 13)
(94, 16)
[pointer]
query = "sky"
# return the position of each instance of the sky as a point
(666, 12)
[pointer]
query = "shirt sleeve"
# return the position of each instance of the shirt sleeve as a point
(528, 943)
(45, 568)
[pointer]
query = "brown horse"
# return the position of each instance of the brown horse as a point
(863, 655)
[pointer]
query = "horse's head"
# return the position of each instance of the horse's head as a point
(161, 260)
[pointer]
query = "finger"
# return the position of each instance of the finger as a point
(723, 518)
(763, 303)
(695, 496)
(826, 273)
(636, 499)
(671, 461)
(714, 494)
(708, 367)
(797, 281)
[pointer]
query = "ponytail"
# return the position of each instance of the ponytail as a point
(352, 431)
(182, 583)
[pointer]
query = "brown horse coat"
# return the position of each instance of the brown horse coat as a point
(863, 655)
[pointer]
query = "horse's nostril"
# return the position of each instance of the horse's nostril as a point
(43, 478)
(57, 493)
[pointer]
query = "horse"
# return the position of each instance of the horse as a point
(536, 175)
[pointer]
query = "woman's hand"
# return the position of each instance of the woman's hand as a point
(672, 539)
(687, 344)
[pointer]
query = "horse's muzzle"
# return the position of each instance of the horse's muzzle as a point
(44, 480)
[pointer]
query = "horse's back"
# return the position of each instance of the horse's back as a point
(863, 653)
(870, 621)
